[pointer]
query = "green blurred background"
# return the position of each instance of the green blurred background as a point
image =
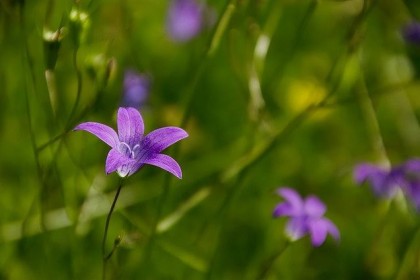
(275, 93)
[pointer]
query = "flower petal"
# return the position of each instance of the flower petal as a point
(116, 160)
(319, 228)
(165, 162)
(365, 171)
(318, 231)
(283, 209)
(293, 199)
(412, 192)
(383, 182)
(103, 132)
(296, 228)
(412, 165)
(314, 207)
(130, 126)
(159, 139)
(332, 229)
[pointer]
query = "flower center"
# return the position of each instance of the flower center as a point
(129, 152)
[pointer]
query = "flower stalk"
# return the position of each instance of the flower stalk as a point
(105, 256)
(268, 264)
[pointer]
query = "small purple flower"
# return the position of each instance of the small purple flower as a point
(410, 181)
(384, 182)
(136, 89)
(411, 32)
(130, 149)
(306, 217)
(185, 19)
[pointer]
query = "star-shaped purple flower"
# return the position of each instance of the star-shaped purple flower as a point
(130, 149)
(306, 217)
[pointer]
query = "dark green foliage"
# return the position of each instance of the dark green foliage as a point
(328, 65)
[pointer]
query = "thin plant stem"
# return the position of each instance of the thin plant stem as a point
(300, 31)
(105, 257)
(29, 66)
(153, 233)
(52, 90)
(68, 128)
(212, 47)
(41, 147)
(410, 248)
(380, 231)
(79, 89)
(268, 264)
(50, 71)
(372, 122)
(221, 28)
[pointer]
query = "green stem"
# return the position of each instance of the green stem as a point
(52, 90)
(300, 32)
(153, 232)
(67, 129)
(106, 257)
(211, 49)
(268, 264)
(372, 123)
(27, 63)
(410, 248)
(79, 89)
(221, 28)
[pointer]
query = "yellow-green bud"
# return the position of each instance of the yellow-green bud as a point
(78, 25)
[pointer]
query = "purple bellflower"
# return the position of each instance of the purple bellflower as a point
(136, 89)
(130, 148)
(306, 217)
(411, 33)
(184, 20)
(386, 182)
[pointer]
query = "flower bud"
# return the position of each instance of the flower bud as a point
(52, 42)
(101, 68)
(78, 25)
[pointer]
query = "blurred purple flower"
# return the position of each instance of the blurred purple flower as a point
(131, 149)
(306, 217)
(185, 19)
(136, 89)
(385, 182)
(411, 32)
